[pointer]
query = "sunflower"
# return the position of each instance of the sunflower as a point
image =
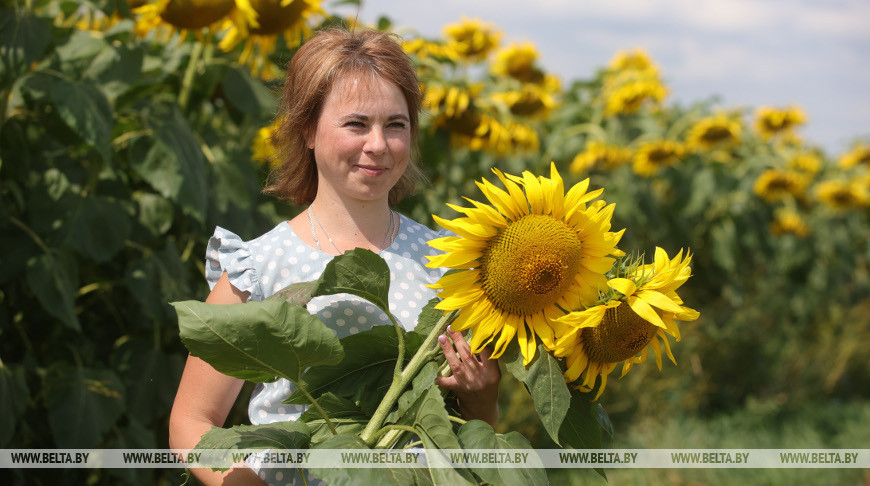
(809, 163)
(842, 195)
(258, 24)
(776, 184)
(771, 122)
(860, 155)
(599, 155)
(472, 39)
(652, 156)
(714, 132)
(530, 101)
(262, 149)
(518, 62)
(619, 330)
(787, 221)
(628, 91)
(424, 49)
(637, 60)
(181, 15)
(530, 254)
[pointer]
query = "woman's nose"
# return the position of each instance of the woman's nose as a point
(376, 143)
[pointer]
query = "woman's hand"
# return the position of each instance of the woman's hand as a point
(474, 380)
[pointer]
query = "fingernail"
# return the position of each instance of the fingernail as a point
(449, 329)
(442, 339)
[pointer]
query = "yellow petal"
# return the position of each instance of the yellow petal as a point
(644, 310)
(622, 285)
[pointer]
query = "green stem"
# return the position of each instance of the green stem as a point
(422, 356)
(316, 405)
(187, 81)
(400, 335)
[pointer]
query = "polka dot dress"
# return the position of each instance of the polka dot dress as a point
(279, 258)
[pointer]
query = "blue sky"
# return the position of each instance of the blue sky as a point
(745, 53)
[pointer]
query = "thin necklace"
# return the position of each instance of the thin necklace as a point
(388, 236)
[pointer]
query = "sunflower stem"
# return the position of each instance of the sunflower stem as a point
(371, 433)
(189, 72)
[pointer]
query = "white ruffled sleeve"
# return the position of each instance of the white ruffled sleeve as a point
(226, 252)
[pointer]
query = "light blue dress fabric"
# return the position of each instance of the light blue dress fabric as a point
(279, 258)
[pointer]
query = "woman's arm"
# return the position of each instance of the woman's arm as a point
(204, 399)
(474, 378)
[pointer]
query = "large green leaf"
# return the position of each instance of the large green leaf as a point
(298, 293)
(85, 110)
(581, 428)
(477, 434)
(150, 376)
(279, 435)
(83, 405)
(338, 476)
(257, 341)
(436, 431)
(97, 227)
(24, 38)
(362, 375)
(172, 162)
(359, 272)
(53, 278)
(545, 382)
(247, 94)
(115, 68)
(155, 212)
(13, 399)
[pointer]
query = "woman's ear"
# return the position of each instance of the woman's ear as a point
(309, 138)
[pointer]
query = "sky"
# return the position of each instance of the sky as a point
(741, 53)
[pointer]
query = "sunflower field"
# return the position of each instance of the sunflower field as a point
(129, 129)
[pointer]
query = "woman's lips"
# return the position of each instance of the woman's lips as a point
(372, 170)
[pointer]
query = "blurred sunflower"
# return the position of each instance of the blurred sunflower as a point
(807, 162)
(424, 49)
(842, 195)
(620, 329)
(771, 122)
(653, 156)
(637, 60)
(529, 101)
(472, 39)
(628, 91)
(169, 16)
(531, 253)
(598, 154)
(860, 155)
(777, 184)
(518, 62)
(714, 132)
(787, 221)
(259, 23)
(262, 149)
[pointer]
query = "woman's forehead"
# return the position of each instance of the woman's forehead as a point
(358, 88)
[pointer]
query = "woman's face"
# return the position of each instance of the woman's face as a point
(362, 140)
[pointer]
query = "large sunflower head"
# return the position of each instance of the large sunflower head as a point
(641, 306)
(181, 15)
(808, 163)
(637, 60)
(529, 101)
(260, 23)
(529, 254)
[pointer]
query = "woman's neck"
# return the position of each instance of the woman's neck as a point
(339, 226)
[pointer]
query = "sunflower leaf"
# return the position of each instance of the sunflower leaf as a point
(350, 476)
(257, 341)
(477, 434)
(359, 272)
(546, 384)
(280, 435)
(582, 426)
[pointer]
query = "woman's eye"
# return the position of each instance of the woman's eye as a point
(355, 124)
(399, 125)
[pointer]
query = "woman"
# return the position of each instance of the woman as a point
(350, 109)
